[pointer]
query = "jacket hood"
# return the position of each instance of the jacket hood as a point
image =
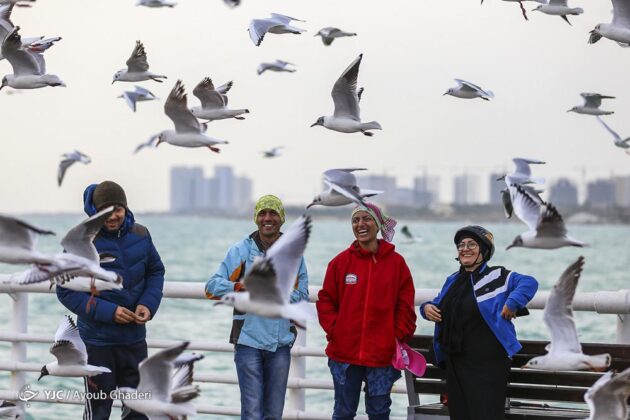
(384, 248)
(90, 210)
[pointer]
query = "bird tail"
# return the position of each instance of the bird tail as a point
(600, 362)
(372, 125)
(489, 93)
(300, 312)
(577, 11)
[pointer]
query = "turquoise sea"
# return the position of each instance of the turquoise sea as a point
(192, 248)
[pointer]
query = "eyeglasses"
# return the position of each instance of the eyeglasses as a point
(467, 245)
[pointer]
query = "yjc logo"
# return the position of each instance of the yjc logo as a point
(26, 394)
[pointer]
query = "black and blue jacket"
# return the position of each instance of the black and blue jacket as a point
(493, 288)
(141, 268)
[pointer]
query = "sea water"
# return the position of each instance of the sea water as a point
(193, 247)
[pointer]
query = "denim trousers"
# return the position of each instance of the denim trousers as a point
(262, 379)
(348, 393)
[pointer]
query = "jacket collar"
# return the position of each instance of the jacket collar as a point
(383, 249)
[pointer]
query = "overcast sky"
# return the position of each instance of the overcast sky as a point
(412, 51)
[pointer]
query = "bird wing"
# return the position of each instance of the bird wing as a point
(523, 170)
(144, 92)
(258, 28)
(78, 240)
(63, 166)
(130, 98)
(525, 206)
(68, 347)
(610, 130)
(550, 222)
(225, 87)
(469, 86)
(557, 2)
(342, 176)
(156, 372)
(262, 282)
(350, 192)
(149, 143)
(621, 13)
(608, 395)
(6, 26)
(17, 233)
(344, 92)
(209, 97)
(592, 100)
(284, 19)
(23, 62)
(137, 62)
(176, 109)
(558, 314)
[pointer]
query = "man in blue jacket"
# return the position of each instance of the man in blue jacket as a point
(113, 326)
(262, 346)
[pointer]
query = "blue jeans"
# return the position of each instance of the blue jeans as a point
(348, 391)
(262, 379)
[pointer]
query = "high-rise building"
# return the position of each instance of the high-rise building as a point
(384, 183)
(495, 188)
(225, 185)
(466, 188)
(622, 190)
(563, 193)
(426, 190)
(600, 193)
(187, 185)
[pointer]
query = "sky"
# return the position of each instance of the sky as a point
(412, 51)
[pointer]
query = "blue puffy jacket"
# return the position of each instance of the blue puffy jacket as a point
(141, 268)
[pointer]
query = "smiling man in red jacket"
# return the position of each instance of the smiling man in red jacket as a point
(365, 304)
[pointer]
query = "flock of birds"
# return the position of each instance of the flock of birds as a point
(167, 375)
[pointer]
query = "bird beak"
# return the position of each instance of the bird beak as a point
(445, 93)
(314, 124)
(569, 110)
(220, 302)
(40, 377)
(509, 246)
(113, 81)
(310, 205)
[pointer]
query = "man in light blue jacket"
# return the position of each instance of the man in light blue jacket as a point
(261, 345)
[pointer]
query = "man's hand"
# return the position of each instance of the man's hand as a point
(143, 314)
(123, 316)
(433, 313)
(507, 313)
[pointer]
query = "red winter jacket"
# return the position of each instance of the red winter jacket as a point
(366, 300)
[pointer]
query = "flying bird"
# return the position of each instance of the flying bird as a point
(565, 351)
(278, 65)
(522, 176)
(342, 189)
(29, 67)
(139, 94)
(18, 240)
(559, 8)
(214, 102)
(329, 34)
(68, 160)
(150, 144)
(32, 44)
(273, 152)
(137, 68)
(276, 24)
(188, 130)
(619, 29)
(156, 3)
(592, 101)
(346, 118)
(607, 399)
(619, 142)
(467, 90)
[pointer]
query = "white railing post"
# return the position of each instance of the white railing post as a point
(623, 329)
(297, 396)
(19, 324)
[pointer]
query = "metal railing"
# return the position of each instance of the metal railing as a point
(600, 302)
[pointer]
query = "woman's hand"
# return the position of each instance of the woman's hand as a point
(507, 313)
(432, 312)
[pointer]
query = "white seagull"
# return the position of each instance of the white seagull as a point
(546, 227)
(522, 175)
(139, 94)
(346, 118)
(559, 8)
(170, 392)
(276, 24)
(8, 410)
(214, 102)
(18, 240)
(467, 90)
(273, 152)
(156, 3)
(329, 34)
(565, 351)
(29, 67)
(619, 142)
(71, 354)
(592, 101)
(137, 68)
(68, 160)
(607, 399)
(149, 144)
(33, 44)
(278, 65)
(271, 279)
(619, 29)
(188, 130)
(342, 189)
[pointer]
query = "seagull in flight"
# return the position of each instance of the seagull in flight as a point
(18, 240)
(329, 34)
(188, 130)
(29, 67)
(619, 142)
(149, 144)
(607, 398)
(522, 175)
(156, 3)
(619, 29)
(546, 227)
(278, 65)
(467, 90)
(71, 354)
(32, 44)
(68, 160)
(592, 101)
(559, 8)
(276, 24)
(214, 102)
(273, 152)
(342, 189)
(346, 118)
(565, 351)
(139, 94)
(137, 68)
(271, 279)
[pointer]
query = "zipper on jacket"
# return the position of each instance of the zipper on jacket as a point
(365, 306)
(472, 282)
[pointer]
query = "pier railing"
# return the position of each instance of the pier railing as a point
(603, 302)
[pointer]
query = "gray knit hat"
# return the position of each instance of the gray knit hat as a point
(108, 193)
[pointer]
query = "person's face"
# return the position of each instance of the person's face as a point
(364, 227)
(269, 223)
(468, 252)
(116, 219)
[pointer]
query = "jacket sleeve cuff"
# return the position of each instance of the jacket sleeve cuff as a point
(104, 311)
